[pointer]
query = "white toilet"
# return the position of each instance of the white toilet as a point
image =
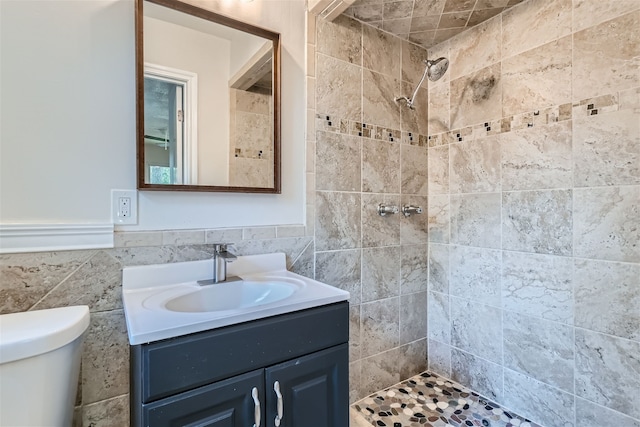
(39, 365)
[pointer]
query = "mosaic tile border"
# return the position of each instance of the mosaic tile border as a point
(367, 130)
(429, 400)
(253, 154)
(629, 99)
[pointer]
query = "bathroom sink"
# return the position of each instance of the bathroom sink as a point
(232, 296)
(165, 300)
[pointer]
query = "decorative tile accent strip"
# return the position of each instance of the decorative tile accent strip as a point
(368, 131)
(530, 119)
(252, 154)
(428, 400)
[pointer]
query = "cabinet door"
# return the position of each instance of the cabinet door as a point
(314, 389)
(227, 403)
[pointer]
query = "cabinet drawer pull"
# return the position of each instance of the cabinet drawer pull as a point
(256, 402)
(276, 388)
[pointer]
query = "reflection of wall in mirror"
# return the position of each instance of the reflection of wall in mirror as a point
(179, 47)
(251, 151)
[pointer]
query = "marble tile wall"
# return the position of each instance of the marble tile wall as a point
(94, 277)
(534, 211)
(369, 151)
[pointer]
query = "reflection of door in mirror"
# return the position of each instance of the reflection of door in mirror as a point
(170, 125)
(163, 131)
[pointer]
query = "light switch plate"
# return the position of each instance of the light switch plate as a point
(124, 207)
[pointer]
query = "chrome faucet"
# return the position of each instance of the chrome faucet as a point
(221, 256)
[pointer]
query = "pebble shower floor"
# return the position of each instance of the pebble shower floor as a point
(427, 400)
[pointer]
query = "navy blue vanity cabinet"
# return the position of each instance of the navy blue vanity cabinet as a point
(289, 370)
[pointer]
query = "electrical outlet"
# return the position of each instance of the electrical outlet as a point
(124, 207)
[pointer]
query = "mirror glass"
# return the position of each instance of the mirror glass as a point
(208, 101)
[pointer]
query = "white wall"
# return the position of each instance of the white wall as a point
(68, 118)
(180, 47)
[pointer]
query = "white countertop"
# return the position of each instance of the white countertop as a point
(147, 289)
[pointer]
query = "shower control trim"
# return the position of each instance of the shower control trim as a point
(408, 210)
(384, 210)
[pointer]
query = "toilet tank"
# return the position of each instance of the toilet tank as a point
(40, 355)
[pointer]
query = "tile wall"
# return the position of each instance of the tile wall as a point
(534, 211)
(251, 135)
(94, 278)
(368, 151)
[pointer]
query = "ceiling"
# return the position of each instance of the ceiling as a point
(426, 22)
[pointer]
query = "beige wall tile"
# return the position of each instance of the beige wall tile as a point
(587, 13)
(413, 65)
(380, 166)
(338, 162)
(606, 149)
(440, 358)
(379, 230)
(476, 48)
(477, 97)
(124, 239)
(97, 283)
(475, 165)
(538, 221)
(183, 237)
(414, 228)
(412, 358)
(414, 274)
(414, 164)
(26, 278)
(378, 104)
(439, 218)
(414, 120)
(380, 273)
(290, 231)
(380, 326)
(537, 159)
(258, 233)
(606, 371)
(341, 269)
(606, 223)
(105, 358)
(338, 224)
(534, 23)
(475, 220)
(527, 395)
(606, 58)
(438, 170)
(601, 307)
(338, 88)
(380, 371)
(438, 110)
(381, 52)
(223, 235)
(107, 413)
(413, 322)
(480, 374)
(341, 39)
(537, 78)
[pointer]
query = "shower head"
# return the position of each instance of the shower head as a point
(434, 71)
(436, 68)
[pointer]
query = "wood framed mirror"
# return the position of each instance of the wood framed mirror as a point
(207, 101)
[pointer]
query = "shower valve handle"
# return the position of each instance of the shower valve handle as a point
(384, 210)
(407, 210)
